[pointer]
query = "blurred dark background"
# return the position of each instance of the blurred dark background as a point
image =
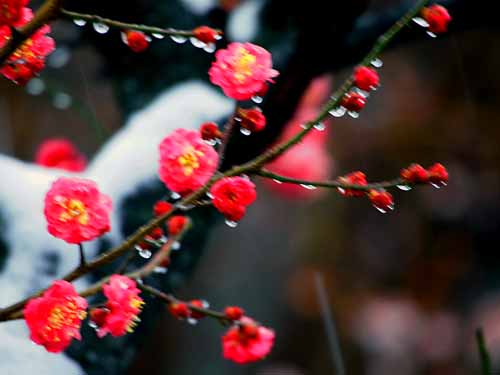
(407, 288)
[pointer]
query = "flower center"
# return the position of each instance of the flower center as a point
(243, 65)
(74, 210)
(189, 160)
(65, 315)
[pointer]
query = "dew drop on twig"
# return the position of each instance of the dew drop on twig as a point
(209, 48)
(178, 38)
(338, 112)
(431, 34)
(257, 99)
(308, 187)
(79, 22)
(353, 114)
(176, 246)
(278, 181)
(192, 321)
(101, 28)
(420, 21)
(174, 195)
(231, 224)
(161, 270)
(377, 63)
(144, 253)
(245, 131)
(404, 187)
(158, 36)
(196, 42)
(319, 126)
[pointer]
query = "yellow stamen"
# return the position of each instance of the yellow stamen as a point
(189, 160)
(244, 64)
(74, 209)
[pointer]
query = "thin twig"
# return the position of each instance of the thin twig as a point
(333, 184)
(226, 136)
(83, 263)
(127, 26)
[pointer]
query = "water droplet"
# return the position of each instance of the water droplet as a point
(363, 93)
(62, 100)
(341, 190)
(353, 114)
(278, 181)
(192, 321)
(35, 87)
(144, 253)
(161, 270)
(92, 324)
(420, 21)
(384, 210)
(178, 38)
(308, 187)
(79, 22)
(319, 126)
(338, 112)
(176, 246)
(438, 185)
(431, 34)
(124, 38)
(245, 131)
(217, 37)
(211, 142)
(380, 209)
(158, 36)
(148, 38)
(209, 48)
(257, 99)
(205, 304)
(404, 187)
(186, 207)
(236, 118)
(101, 28)
(196, 42)
(175, 195)
(377, 63)
(209, 195)
(231, 224)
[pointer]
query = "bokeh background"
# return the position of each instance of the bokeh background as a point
(407, 289)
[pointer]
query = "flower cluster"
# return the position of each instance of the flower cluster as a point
(60, 153)
(54, 319)
(247, 341)
(120, 314)
(232, 195)
(251, 120)
(29, 59)
(11, 12)
(242, 70)
(186, 161)
(76, 210)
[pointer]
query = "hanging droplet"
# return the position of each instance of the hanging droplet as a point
(196, 42)
(341, 190)
(236, 118)
(148, 38)
(257, 99)
(338, 112)
(175, 195)
(217, 37)
(319, 126)
(158, 36)
(124, 38)
(35, 86)
(380, 209)
(210, 48)
(420, 21)
(245, 131)
(231, 224)
(192, 321)
(162, 270)
(431, 34)
(211, 142)
(278, 181)
(178, 38)
(404, 187)
(303, 126)
(353, 114)
(209, 195)
(384, 210)
(79, 22)
(363, 93)
(144, 253)
(308, 187)
(92, 324)
(377, 63)
(438, 185)
(176, 246)
(101, 28)
(186, 207)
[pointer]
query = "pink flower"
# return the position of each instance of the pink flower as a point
(231, 196)
(123, 305)
(186, 161)
(242, 70)
(60, 153)
(29, 59)
(247, 342)
(76, 211)
(11, 11)
(54, 319)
